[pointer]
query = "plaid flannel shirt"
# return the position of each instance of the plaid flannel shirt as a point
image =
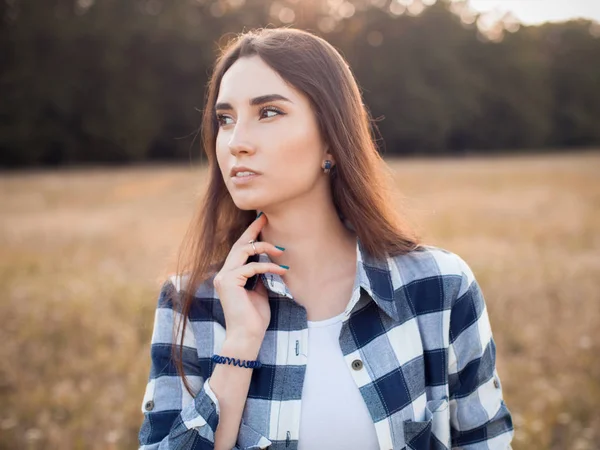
(419, 324)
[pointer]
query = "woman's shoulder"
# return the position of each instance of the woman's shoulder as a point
(181, 283)
(442, 280)
(174, 286)
(205, 305)
(437, 276)
(428, 261)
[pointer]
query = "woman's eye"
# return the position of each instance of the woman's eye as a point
(221, 118)
(270, 109)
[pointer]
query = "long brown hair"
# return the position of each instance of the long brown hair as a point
(361, 181)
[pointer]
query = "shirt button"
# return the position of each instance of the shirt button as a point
(496, 383)
(357, 364)
(149, 405)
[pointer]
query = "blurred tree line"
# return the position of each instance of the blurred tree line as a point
(123, 80)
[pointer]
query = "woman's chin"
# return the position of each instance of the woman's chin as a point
(248, 204)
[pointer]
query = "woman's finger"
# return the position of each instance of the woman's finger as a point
(253, 230)
(246, 271)
(241, 254)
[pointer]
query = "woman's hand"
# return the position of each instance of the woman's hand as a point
(247, 313)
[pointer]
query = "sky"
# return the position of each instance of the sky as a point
(532, 12)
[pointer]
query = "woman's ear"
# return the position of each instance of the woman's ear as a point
(328, 156)
(327, 163)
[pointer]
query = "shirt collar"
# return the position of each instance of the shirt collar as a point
(373, 275)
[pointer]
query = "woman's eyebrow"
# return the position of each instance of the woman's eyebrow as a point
(256, 101)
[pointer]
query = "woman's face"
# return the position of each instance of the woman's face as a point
(277, 137)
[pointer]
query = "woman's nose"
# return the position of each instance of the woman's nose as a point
(236, 147)
(240, 141)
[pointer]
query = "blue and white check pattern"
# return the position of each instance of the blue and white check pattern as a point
(419, 324)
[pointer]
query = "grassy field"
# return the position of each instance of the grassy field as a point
(83, 254)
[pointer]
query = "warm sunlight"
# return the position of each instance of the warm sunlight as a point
(537, 11)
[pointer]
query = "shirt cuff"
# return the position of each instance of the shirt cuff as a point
(203, 410)
(248, 438)
(211, 394)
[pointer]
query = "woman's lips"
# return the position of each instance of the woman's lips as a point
(244, 180)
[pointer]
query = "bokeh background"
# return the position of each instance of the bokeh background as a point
(490, 121)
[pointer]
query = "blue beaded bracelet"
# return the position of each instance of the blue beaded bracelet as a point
(236, 362)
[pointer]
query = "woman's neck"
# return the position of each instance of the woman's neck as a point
(317, 244)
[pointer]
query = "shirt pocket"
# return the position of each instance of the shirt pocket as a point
(428, 434)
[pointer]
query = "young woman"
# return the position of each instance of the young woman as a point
(308, 315)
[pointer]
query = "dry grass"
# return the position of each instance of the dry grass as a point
(83, 254)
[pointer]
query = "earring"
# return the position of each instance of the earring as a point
(327, 166)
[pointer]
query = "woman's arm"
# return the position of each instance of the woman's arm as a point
(479, 418)
(175, 420)
(230, 384)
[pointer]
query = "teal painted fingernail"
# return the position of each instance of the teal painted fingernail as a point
(280, 248)
(260, 214)
(285, 267)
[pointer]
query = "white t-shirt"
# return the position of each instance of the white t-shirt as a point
(333, 413)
